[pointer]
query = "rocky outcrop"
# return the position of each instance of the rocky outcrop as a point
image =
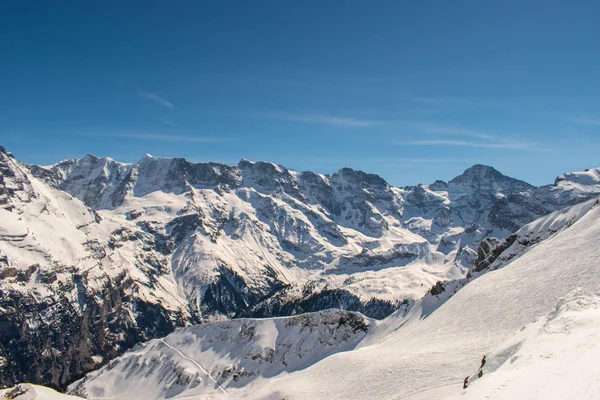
(56, 341)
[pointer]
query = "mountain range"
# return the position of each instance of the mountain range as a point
(98, 257)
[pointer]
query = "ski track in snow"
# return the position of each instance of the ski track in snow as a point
(195, 363)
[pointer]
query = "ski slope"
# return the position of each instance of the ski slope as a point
(556, 357)
(211, 359)
(429, 358)
(420, 355)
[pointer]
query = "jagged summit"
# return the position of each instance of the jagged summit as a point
(91, 157)
(364, 178)
(483, 173)
(6, 152)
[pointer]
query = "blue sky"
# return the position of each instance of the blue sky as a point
(413, 91)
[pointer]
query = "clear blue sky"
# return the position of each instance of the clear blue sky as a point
(413, 91)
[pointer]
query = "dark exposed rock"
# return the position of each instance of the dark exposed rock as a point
(437, 289)
(489, 250)
(282, 305)
(54, 343)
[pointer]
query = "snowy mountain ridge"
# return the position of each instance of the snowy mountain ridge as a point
(101, 255)
(210, 359)
(521, 331)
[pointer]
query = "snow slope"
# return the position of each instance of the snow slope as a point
(211, 359)
(27, 391)
(556, 357)
(434, 355)
(424, 355)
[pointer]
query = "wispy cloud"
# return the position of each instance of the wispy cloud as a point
(340, 161)
(490, 145)
(321, 119)
(167, 121)
(157, 99)
(454, 102)
(171, 138)
(587, 121)
(477, 139)
(160, 136)
(435, 100)
(435, 129)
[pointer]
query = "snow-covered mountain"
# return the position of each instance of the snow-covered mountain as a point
(97, 255)
(203, 360)
(76, 288)
(526, 329)
(429, 357)
(258, 239)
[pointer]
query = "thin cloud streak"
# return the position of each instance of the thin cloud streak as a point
(434, 129)
(587, 121)
(453, 102)
(480, 139)
(378, 160)
(321, 119)
(157, 99)
(491, 145)
(167, 121)
(155, 136)
(168, 137)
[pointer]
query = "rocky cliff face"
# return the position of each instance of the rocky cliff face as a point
(76, 289)
(96, 255)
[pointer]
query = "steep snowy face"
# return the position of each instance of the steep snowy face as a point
(211, 359)
(76, 289)
(496, 253)
(475, 191)
(258, 239)
(241, 234)
(415, 355)
(102, 183)
(422, 357)
(554, 357)
(518, 209)
(91, 179)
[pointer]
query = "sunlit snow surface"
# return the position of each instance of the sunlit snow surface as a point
(413, 357)
(265, 230)
(556, 357)
(36, 392)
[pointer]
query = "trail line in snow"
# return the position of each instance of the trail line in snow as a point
(196, 363)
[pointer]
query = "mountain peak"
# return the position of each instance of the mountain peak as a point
(487, 181)
(360, 178)
(485, 173)
(479, 169)
(90, 157)
(6, 152)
